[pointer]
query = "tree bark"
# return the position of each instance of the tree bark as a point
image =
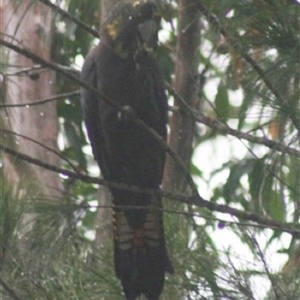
(29, 24)
(186, 84)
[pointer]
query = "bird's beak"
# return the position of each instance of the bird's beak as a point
(148, 32)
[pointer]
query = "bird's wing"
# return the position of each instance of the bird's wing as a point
(90, 107)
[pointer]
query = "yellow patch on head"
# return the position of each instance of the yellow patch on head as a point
(136, 3)
(112, 29)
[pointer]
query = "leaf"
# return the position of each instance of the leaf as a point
(271, 200)
(74, 141)
(274, 205)
(246, 105)
(195, 171)
(88, 220)
(222, 103)
(255, 179)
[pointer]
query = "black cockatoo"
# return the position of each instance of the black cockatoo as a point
(124, 70)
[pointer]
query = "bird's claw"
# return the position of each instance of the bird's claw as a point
(126, 114)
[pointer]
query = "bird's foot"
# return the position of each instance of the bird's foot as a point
(126, 115)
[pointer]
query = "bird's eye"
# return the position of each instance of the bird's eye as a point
(130, 18)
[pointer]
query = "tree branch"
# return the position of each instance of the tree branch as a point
(66, 15)
(221, 127)
(193, 200)
(224, 128)
(42, 101)
(187, 86)
(5, 131)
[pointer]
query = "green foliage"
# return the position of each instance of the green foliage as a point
(222, 103)
(44, 256)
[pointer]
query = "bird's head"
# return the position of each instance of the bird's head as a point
(132, 27)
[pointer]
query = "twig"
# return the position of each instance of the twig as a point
(9, 290)
(66, 15)
(274, 145)
(224, 128)
(26, 71)
(43, 101)
(221, 222)
(274, 282)
(262, 220)
(41, 145)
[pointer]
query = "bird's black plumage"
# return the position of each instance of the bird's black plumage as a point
(124, 71)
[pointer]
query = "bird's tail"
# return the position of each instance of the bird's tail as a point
(141, 259)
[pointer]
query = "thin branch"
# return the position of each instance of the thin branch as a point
(11, 293)
(222, 223)
(66, 15)
(274, 145)
(43, 101)
(25, 71)
(193, 200)
(66, 71)
(262, 220)
(274, 283)
(224, 128)
(41, 145)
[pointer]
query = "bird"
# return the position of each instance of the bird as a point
(126, 84)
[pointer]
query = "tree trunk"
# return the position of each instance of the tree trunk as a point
(186, 85)
(28, 23)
